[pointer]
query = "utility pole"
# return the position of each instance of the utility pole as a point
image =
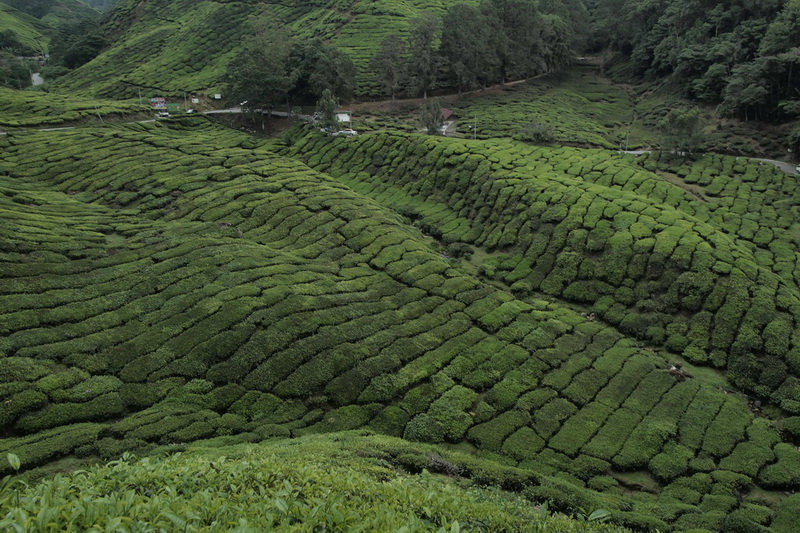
(475, 128)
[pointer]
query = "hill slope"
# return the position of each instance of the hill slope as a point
(181, 282)
(341, 482)
(185, 45)
(30, 108)
(22, 33)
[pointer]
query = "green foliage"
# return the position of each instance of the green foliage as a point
(388, 63)
(237, 289)
(741, 53)
(682, 130)
(422, 66)
(197, 40)
(318, 67)
(30, 109)
(326, 106)
(431, 117)
(14, 73)
(21, 33)
(76, 44)
(309, 483)
(260, 75)
(537, 133)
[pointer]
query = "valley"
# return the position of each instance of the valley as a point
(547, 320)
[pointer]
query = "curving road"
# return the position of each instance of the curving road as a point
(789, 168)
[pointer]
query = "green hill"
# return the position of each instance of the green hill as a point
(20, 32)
(185, 45)
(178, 281)
(53, 12)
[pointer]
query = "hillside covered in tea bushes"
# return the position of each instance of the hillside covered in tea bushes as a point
(21, 33)
(27, 109)
(342, 482)
(521, 305)
(26, 26)
(177, 46)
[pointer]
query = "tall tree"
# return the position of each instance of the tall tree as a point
(326, 106)
(423, 66)
(557, 50)
(388, 63)
(431, 117)
(77, 43)
(575, 18)
(259, 75)
(320, 66)
(682, 131)
(516, 27)
(470, 59)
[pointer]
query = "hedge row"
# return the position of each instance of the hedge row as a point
(222, 291)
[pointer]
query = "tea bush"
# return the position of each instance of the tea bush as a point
(181, 281)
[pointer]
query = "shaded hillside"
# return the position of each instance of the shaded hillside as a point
(740, 54)
(53, 12)
(185, 45)
(180, 282)
(21, 33)
(103, 5)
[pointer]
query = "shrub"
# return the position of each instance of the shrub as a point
(425, 428)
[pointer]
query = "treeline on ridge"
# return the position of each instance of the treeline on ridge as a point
(471, 46)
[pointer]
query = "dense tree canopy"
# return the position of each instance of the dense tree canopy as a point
(273, 69)
(259, 77)
(492, 42)
(742, 53)
(14, 73)
(319, 66)
(75, 44)
(389, 64)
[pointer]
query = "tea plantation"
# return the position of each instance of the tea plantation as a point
(25, 109)
(576, 106)
(169, 47)
(342, 482)
(708, 272)
(173, 282)
(28, 32)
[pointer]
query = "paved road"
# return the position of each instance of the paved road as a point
(223, 111)
(789, 168)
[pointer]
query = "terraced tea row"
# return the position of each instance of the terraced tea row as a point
(30, 109)
(576, 106)
(658, 263)
(179, 282)
(337, 482)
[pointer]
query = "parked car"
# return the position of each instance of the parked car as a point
(346, 132)
(162, 114)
